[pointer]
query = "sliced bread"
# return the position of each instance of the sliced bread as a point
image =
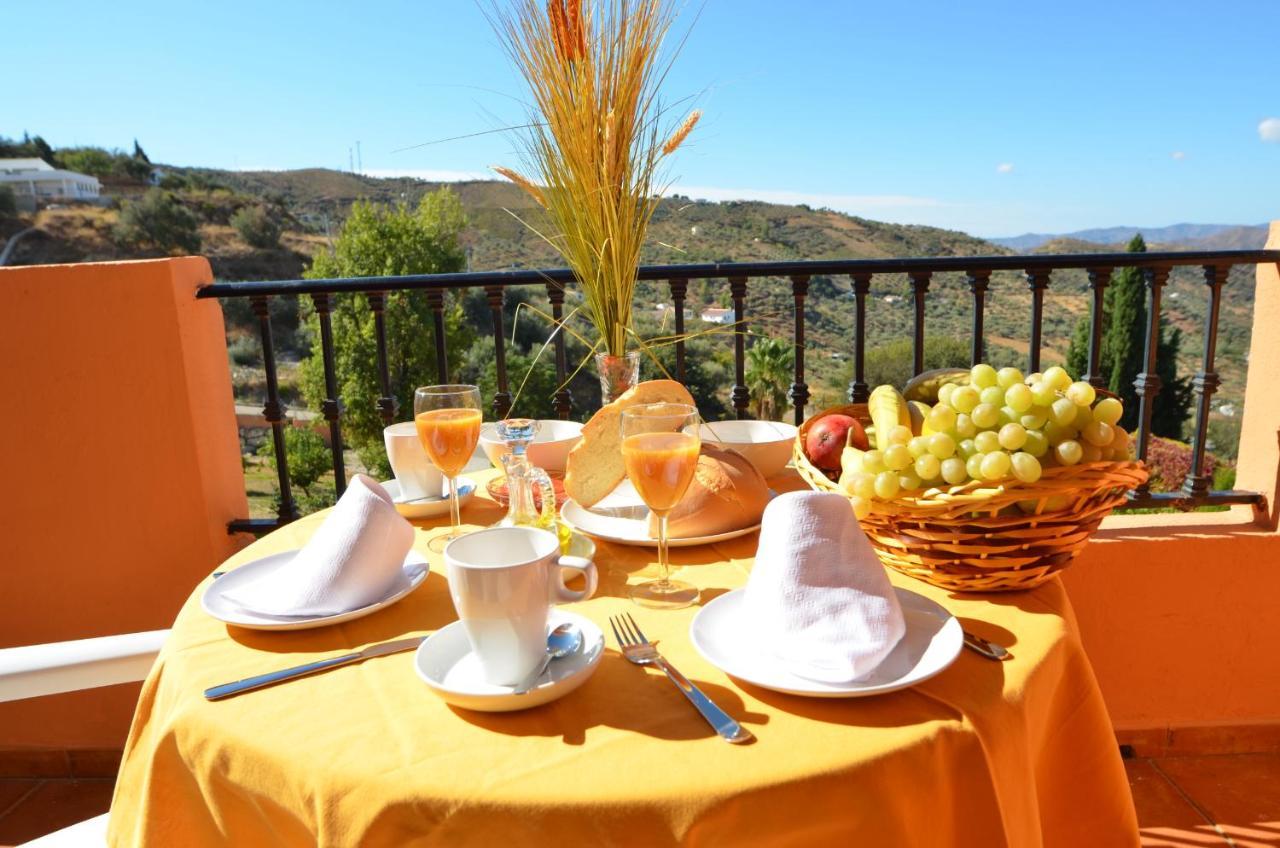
(595, 468)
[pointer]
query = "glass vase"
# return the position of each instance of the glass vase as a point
(617, 374)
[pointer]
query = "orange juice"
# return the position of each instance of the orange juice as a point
(449, 437)
(660, 466)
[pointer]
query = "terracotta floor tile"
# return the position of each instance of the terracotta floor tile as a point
(1240, 792)
(55, 804)
(1165, 818)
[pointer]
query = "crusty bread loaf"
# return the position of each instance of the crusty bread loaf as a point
(594, 468)
(726, 493)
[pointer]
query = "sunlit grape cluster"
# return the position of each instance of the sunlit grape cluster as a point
(998, 426)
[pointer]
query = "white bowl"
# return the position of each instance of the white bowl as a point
(765, 444)
(549, 449)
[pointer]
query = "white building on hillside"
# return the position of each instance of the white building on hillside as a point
(716, 315)
(38, 180)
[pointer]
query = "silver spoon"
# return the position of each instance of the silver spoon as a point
(564, 640)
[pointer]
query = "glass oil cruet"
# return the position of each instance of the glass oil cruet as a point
(522, 478)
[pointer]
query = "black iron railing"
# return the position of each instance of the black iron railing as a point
(1214, 266)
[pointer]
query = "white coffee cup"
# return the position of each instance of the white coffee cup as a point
(415, 474)
(503, 581)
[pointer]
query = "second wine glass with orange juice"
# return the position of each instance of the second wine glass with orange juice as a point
(448, 422)
(660, 446)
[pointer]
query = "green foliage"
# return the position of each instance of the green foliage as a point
(1121, 351)
(1223, 436)
(93, 161)
(892, 363)
(139, 153)
(8, 202)
(31, 147)
(257, 227)
(770, 369)
(158, 220)
(309, 458)
(378, 241)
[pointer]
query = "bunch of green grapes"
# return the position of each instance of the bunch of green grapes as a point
(1000, 426)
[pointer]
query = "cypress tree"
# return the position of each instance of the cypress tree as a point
(1122, 353)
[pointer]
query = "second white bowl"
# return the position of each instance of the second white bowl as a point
(765, 444)
(549, 449)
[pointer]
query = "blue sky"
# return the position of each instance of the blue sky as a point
(992, 117)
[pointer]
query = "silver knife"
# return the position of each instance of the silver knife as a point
(259, 681)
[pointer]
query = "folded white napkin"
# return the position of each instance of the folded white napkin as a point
(355, 558)
(818, 596)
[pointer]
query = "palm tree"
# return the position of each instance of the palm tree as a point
(770, 364)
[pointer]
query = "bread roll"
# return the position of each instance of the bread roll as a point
(727, 493)
(594, 467)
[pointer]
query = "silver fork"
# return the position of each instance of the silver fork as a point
(639, 650)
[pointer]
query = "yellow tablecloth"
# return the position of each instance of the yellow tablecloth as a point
(986, 754)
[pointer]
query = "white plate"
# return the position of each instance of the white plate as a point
(931, 643)
(446, 663)
(216, 604)
(622, 517)
(434, 506)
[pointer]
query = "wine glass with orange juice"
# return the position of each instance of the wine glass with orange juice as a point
(660, 446)
(448, 421)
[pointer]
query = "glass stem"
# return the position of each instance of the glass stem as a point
(453, 505)
(664, 568)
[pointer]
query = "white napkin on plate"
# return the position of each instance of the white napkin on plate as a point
(355, 558)
(818, 597)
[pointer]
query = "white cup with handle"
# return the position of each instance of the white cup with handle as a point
(503, 581)
(416, 477)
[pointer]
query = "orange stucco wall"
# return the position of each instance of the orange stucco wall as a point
(122, 467)
(1178, 612)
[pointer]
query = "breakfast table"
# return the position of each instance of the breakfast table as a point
(1015, 753)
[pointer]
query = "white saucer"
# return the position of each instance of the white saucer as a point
(216, 604)
(445, 661)
(931, 643)
(622, 517)
(431, 507)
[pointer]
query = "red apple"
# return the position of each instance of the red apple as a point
(827, 439)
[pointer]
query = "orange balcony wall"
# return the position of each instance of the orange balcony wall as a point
(123, 468)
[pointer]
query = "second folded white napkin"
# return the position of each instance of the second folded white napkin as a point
(818, 597)
(355, 558)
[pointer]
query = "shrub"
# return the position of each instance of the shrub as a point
(258, 228)
(158, 220)
(1170, 462)
(93, 161)
(245, 350)
(8, 202)
(308, 456)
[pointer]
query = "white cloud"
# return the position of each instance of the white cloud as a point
(1269, 130)
(1004, 168)
(1178, 155)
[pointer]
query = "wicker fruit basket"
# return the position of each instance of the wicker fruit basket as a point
(966, 539)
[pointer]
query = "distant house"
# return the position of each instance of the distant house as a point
(716, 315)
(37, 180)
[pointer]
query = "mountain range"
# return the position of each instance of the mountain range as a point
(1174, 237)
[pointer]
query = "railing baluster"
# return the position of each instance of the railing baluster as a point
(1098, 280)
(273, 410)
(1147, 384)
(799, 388)
(332, 406)
(919, 287)
(679, 289)
(741, 394)
(1037, 281)
(1206, 382)
(859, 391)
(388, 405)
(435, 300)
(563, 397)
(501, 398)
(978, 282)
